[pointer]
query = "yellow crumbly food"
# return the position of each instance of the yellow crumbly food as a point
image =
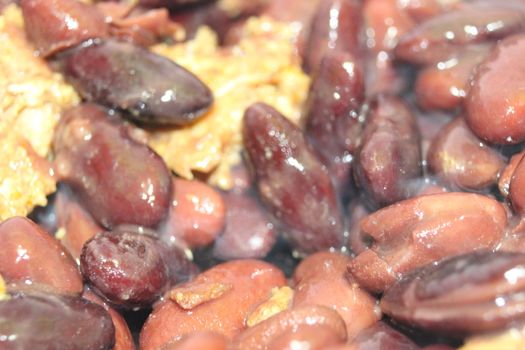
(263, 66)
(512, 339)
(31, 99)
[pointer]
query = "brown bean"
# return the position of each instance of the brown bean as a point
(262, 335)
(199, 340)
(517, 189)
(197, 213)
(494, 105)
(462, 160)
(320, 279)
(251, 282)
(380, 336)
(30, 259)
(508, 172)
(312, 337)
(425, 229)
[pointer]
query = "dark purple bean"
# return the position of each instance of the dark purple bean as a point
(248, 232)
(382, 337)
(390, 153)
(336, 26)
(442, 36)
(51, 322)
(468, 294)
(126, 267)
(180, 267)
(118, 179)
(331, 116)
(153, 89)
(54, 25)
(462, 160)
(291, 181)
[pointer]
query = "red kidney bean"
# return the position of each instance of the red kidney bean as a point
(467, 294)
(442, 36)
(382, 337)
(357, 210)
(462, 160)
(443, 85)
(180, 267)
(78, 224)
(291, 181)
(264, 333)
(30, 259)
(331, 115)
(320, 279)
(54, 25)
(54, 322)
(336, 25)
(199, 340)
(517, 189)
(248, 232)
(123, 337)
(125, 267)
(508, 172)
(422, 230)
(494, 105)
(97, 158)
(197, 213)
(389, 154)
(246, 283)
(116, 74)
(311, 337)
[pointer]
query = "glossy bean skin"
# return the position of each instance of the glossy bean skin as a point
(444, 85)
(321, 279)
(312, 337)
(517, 189)
(31, 259)
(292, 183)
(380, 336)
(462, 160)
(46, 28)
(261, 335)
(168, 3)
(54, 322)
(331, 115)
(97, 158)
(390, 154)
(116, 74)
(197, 213)
(442, 36)
(248, 233)
(494, 105)
(125, 267)
(199, 340)
(508, 172)
(467, 294)
(336, 25)
(422, 230)
(247, 283)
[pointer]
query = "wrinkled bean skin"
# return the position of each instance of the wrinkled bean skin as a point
(123, 337)
(336, 25)
(31, 259)
(422, 230)
(125, 267)
(78, 224)
(442, 36)
(462, 160)
(389, 154)
(248, 233)
(116, 74)
(261, 335)
(331, 116)
(494, 105)
(251, 283)
(443, 85)
(291, 181)
(382, 337)
(320, 279)
(197, 213)
(199, 340)
(459, 295)
(312, 337)
(54, 322)
(97, 158)
(47, 29)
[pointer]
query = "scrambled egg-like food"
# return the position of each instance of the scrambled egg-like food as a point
(263, 66)
(31, 100)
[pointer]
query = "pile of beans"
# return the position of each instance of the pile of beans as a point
(390, 218)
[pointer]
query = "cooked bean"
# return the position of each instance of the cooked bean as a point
(382, 337)
(508, 172)
(152, 88)
(425, 229)
(494, 107)
(291, 181)
(311, 337)
(97, 158)
(467, 294)
(199, 340)
(30, 259)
